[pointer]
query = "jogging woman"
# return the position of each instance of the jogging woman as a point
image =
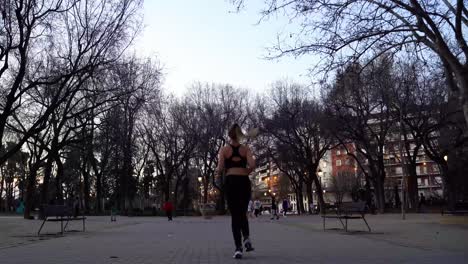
(237, 161)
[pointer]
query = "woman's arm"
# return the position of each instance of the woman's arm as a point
(220, 167)
(250, 161)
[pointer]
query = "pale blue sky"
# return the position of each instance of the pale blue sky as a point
(201, 40)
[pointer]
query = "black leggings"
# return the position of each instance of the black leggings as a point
(238, 191)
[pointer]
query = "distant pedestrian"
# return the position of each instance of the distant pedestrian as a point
(168, 208)
(153, 209)
(274, 209)
(422, 201)
(250, 209)
(76, 207)
(257, 207)
(113, 213)
(285, 207)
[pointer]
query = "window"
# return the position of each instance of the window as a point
(426, 181)
(338, 152)
(418, 170)
(423, 169)
(338, 163)
(348, 162)
(398, 170)
(419, 182)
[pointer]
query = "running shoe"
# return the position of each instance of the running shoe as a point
(238, 254)
(248, 245)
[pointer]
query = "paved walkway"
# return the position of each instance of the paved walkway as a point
(420, 239)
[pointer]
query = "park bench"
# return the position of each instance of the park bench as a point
(59, 213)
(460, 208)
(347, 211)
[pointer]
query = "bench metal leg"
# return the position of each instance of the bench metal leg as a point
(342, 224)
(368, 227)
(323, 223)
(43, 222)
(66, 224)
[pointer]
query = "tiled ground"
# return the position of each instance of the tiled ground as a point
(420, 239)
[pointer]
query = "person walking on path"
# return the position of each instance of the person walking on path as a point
(285, 206)
(168, 208)
(250, 209)
(236, 160)
(422, 201)
(113, 212)
(274, 209)
(76, 207)
(257, 206)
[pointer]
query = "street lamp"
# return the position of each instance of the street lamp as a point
(445, 157)
(199, 178)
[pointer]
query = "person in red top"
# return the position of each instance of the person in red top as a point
(168, 208)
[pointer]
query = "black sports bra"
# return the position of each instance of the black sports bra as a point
(230, 163)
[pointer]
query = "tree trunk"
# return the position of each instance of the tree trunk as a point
(300, 194)
(86, 186)
(58, 180)
(319, 192)
(368, 195)
(176, 196)
(310, 196)
(462, 78)
(205, 191)
(379, 194)
(300, 202)
(98, 192)
(412, 186)
(449, 186)
(2, 180)
(30, 188)
(45, 184)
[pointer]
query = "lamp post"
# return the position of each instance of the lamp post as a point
(403, 169)
(199, 189)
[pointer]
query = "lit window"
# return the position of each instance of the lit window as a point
(338, 162)
(338, 152)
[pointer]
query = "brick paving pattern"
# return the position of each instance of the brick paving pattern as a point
(196, 240)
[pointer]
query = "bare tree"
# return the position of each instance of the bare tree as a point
(170, 132)
(342, 31)
(55, 44)
(419, 93)
(342, 184)
(359, 101)
(297, 124)
(217, 107)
